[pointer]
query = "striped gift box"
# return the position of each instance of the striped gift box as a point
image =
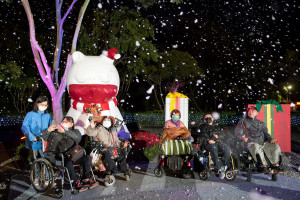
(278, 123)
(176, 147)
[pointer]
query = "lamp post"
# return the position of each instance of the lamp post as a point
(287, 89)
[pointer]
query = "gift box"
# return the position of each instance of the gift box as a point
(277, 118)
(178, 101)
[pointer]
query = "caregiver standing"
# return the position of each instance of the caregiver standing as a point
(34, 123)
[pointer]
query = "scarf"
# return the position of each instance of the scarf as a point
(176, 123)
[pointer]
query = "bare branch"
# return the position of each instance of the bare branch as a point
(80, 17)
(38, 53)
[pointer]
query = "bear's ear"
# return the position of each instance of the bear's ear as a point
(77, 55)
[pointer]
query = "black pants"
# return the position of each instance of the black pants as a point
(84, 161)
(110, 164)
(224, 148)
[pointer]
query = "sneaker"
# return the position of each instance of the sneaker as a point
(222, 175)
(90, 183)
(224, 168)
(79, 187)
(222, 172)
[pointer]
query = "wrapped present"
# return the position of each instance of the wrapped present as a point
(178, 101)
(176, 147)
(277, 118)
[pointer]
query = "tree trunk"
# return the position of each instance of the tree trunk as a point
(57, 110)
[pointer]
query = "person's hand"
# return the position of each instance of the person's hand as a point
(60, 129)
(35, 139)
(274, 141)
(92, 123)
(244, 138)
(126, 143)
(51, 128)
(211, 142)
(216, 136)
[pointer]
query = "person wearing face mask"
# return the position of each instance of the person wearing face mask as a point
(211, 137)
(35, 122)
(105, 133)
(175, 120)
(259, 141)
(61, 138)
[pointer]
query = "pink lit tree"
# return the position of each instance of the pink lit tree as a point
(50, 75)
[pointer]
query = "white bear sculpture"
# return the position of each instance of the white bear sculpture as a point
(93, 83)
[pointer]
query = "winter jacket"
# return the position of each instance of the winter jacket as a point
(61, 142)
(107, 137)
(255, 129)
(33, 124)
(207, 133)
(169, 124)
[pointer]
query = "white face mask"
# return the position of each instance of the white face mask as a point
(65, 126)
(106, 124)
(42, 108)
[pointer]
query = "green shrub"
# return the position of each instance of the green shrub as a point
(23, 153)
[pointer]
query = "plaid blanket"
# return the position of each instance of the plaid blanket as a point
(176, 147)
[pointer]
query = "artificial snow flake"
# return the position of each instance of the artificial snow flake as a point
(137, 43)
(30, 100)
(220, 106)
(99, 5)
(229, 91)
(271, 81)
(149, 91)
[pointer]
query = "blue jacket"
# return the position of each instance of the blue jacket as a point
(33, 124)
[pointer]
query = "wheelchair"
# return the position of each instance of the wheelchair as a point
(96, 150)
(176, 157)
(204, 165)
(249, 167)
(46, 172)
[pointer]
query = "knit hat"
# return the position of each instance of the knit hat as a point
(112, 53)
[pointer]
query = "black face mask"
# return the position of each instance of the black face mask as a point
(208, 120)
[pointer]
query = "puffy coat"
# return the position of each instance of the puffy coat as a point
(255, 129)
(61, 142)
(107, 137)
(207, 133)
(33, 125)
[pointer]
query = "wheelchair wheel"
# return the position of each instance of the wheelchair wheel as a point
(41, 175)
(58, 193)
(249, 175)
(187, 173)
(158, 172)
(204, 175)
(274, 177)
(109, 180)
(230, 175)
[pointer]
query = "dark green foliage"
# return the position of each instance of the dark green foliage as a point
(23, 153)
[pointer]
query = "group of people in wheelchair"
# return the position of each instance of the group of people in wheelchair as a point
(263, 154)
(252, 135)
(251, 148)
(57, 147)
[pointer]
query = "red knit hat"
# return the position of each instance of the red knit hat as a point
(112, 53)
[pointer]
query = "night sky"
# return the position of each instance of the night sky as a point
(240, 38)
